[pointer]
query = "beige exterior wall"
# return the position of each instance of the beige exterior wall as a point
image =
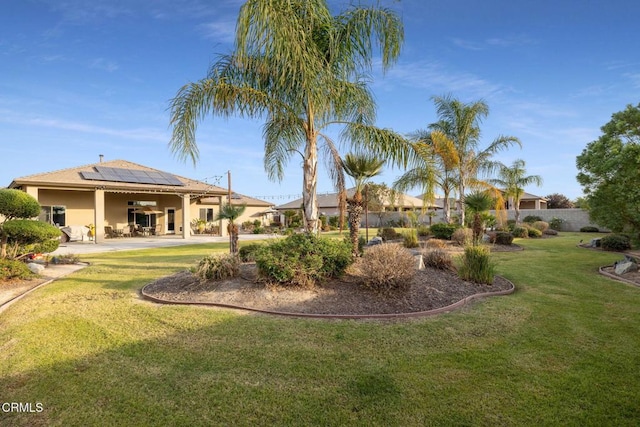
(78, 204)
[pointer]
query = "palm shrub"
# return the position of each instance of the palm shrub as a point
(303, 260)
(476, 265)
(387, 268)
(478, 203)
(218, 267)
(615, 242)
(231, 213)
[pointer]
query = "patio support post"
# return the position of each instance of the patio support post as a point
(98, 213)
(186, 216)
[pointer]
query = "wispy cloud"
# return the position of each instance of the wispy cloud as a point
(438, 78)
(222, 31)
(503, 42)
(634, 78)
(104, 64)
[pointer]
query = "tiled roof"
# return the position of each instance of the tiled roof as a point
(330, 200)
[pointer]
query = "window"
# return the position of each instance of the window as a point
(55, 215)
(206, 214)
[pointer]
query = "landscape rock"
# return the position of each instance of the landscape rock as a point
(595, 243)
(625, 266)
(36, 268)
(375, 241)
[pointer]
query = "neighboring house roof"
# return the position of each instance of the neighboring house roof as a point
(106, 175)
(330, 200)
(236, 199)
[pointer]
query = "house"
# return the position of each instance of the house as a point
(118, 194)
(528, 201)
(328, 203)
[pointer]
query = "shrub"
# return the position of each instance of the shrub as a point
(533, 232)
(388, 233)
(65, 259)
(540, 225)
(436, 243)
(615, 242)
(411, 239)
(589, 229)
(258, 230)
(387, 268)
(247, 253)
(522, 232)
(423, 230)
(12, 269)
(438, 259)
(511, 224)
(218, 267)
(530, 219)
(551, 232)
(302, 259)
(476, 265)
(503, 238)
(556, 223)
(462, 236)
(444, 231)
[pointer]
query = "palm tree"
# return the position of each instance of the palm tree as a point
(513, 180)
(477, 203)
(360, 168)
(231, 213)
(461, 124)
(434, 164)
(303, 70)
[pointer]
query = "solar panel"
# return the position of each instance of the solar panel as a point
(134, 176)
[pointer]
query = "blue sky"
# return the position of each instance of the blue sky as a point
(79, 78)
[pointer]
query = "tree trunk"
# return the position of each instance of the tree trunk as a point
(310, 183)
(233, 238)
(477, 229)
(3, 247)
(355, 209)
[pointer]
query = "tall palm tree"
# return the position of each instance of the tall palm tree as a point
(434, 164)
(477, 203)
(460, 122)
(513, 180)
(303, 70)
(360, 168)
(231, 213)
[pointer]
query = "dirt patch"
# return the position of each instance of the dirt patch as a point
(430, 289)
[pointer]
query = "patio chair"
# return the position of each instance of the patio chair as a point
(108, 232)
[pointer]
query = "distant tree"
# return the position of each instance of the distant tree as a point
(581, 203)
(377, 198)
(15, 207)
(460, 123)
(513, 179)
(558, 201)
(609, 172)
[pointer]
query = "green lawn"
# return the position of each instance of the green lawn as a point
(564, 349)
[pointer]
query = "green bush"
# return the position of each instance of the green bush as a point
(615, 242)
(438, 259)
(444, 231)
(550, 232)
(556, 223)
(534, 232)
(530, 219)
(218, 267)
(388, 233)
(247, 253)
(26, 231)
(12, 269)
(589, 229)
(511, 224)
(423, 230)
(476, 265)
(410, 239)
(462, 236)
(521, 232)
(303, 259)
(387, 268)
(503, 238)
